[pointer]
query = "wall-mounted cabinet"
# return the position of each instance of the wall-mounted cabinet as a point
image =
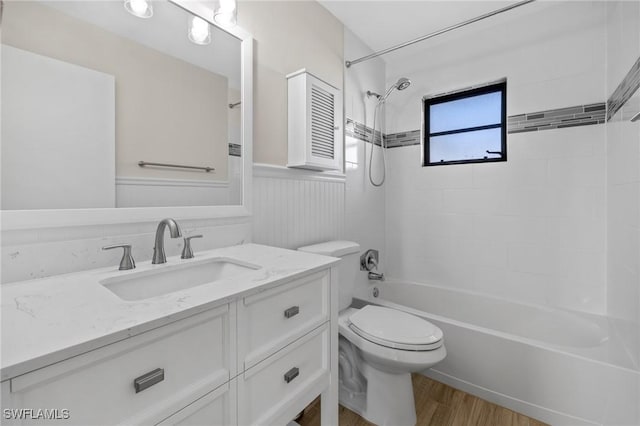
(315, 117)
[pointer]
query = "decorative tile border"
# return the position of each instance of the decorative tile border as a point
(361, 131)
(395, 140)
(235, 150)
(580, 115)
(627, 87)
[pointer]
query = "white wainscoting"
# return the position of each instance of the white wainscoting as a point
(154, 192)
(294, 207)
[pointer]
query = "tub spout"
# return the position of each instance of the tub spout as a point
(375, 276)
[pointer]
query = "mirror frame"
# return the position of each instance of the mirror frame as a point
(54, 218)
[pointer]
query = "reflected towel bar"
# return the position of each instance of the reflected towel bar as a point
(146, 163)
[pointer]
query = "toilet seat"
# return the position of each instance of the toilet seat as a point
(395, 329)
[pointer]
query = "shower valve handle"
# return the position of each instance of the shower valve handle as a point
(369, 260)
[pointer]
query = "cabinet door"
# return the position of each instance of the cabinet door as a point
(217, 408)
(315, 117)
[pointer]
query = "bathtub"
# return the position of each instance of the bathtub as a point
(558, 366)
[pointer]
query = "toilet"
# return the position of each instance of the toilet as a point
(379, 347)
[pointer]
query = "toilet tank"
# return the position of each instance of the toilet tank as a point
(348, 267)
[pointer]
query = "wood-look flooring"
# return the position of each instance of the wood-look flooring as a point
(436, 405)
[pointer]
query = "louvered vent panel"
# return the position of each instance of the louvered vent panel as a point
(322, 122)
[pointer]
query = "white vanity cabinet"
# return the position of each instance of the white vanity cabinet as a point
(284, 347)
(217, 408)
(258, 359)
(194, 354)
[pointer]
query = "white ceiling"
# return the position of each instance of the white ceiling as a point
(384, 23)
(381, 24)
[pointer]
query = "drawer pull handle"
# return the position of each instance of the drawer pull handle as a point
(292, 312)
(147, 380)
(291, 374)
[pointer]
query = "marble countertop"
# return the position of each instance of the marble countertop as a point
(51, 319)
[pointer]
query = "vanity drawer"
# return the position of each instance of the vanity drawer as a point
(272, 319)
(217, 408)
(189, 358)
(279, 387)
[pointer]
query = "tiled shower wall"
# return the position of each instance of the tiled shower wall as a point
(623, 174)
(364, 203)
(532, 228)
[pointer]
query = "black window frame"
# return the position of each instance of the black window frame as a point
(501, 87)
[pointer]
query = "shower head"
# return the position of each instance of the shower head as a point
(401, 84)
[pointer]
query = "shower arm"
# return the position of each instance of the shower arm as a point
(436, 33)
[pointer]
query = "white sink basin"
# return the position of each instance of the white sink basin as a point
(164, 279)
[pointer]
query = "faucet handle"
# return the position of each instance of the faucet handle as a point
(127, 261)
(187, 251)
(369, 260)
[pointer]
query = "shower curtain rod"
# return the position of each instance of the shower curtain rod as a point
(436, 33)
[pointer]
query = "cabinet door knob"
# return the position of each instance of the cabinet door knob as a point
(291, 374)
(147, 380)
(292, 312)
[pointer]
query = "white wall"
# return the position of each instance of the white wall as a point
(158, 192)
(623, 180)
(289, 35)
(292, 208)
(295, 208)
(364, 204)
(532, 228)
(551, 52)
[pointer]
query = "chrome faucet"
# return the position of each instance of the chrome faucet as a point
(158, 249)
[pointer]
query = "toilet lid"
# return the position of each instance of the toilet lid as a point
(395, 329)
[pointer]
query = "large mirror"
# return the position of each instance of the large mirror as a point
(103, 109)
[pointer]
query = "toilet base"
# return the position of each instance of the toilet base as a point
(388, 400)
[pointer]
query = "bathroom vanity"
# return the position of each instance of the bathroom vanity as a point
(254, 346)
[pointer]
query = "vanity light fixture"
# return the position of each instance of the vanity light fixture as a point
(226, 13)
(199, 31)
(139, 8)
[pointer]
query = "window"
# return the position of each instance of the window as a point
(468, 126)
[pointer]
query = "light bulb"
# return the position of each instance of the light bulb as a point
(226, 13)
(199, 31)
(139, 8)
(228, 5)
